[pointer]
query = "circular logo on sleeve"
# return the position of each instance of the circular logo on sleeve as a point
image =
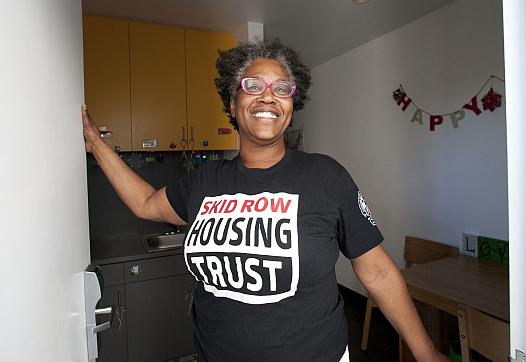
(365, 209)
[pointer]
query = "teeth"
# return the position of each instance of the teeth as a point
(264, 115)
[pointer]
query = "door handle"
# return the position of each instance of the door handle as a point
(100, 327)
(103, 326)
(102, 311)
(93, 283)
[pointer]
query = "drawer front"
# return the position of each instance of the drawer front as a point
(136, 271)
(112, 274)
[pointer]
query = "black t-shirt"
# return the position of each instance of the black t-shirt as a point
(263, 244)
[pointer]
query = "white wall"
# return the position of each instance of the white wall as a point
(434, 185)
(250, 31)
(43, 207)
(514, 15)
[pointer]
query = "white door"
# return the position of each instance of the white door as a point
(44, 243)
(515, 66)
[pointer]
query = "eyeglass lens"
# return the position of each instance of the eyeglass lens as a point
(257, 86)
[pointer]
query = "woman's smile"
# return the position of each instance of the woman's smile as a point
(265, 114)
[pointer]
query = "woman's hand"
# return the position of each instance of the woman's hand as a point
(91, 132)
(439, 357)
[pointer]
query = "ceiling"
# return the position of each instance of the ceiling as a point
(319, 29)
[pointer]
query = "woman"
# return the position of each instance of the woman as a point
(267, 227)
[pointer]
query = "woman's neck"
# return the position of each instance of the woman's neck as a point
(261, 157)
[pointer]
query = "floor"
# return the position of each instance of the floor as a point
(383, 339)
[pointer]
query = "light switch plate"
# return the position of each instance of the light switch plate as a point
(469, 244)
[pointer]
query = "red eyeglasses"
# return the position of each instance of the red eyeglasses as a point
(256, 86)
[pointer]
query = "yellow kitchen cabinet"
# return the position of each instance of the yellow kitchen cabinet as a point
(107, 77)
(208, 126)
(153, 86)
(158, 87)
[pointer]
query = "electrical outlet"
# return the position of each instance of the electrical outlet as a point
(469, 244)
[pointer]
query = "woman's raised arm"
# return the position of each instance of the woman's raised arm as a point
(142, 199)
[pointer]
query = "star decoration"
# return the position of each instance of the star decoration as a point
(397, 94)
(491, 100)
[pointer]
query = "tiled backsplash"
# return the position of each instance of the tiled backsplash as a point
(108, 215)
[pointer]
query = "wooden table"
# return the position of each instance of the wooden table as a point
(446, 283)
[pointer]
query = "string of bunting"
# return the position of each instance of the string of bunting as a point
(491, 101)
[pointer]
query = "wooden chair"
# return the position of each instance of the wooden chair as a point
(487, 335)
(416, 251)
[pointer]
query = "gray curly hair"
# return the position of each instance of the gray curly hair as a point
(232, 64)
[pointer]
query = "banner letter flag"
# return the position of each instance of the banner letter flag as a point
(405, 100)
(457, 117)
(417, 117)
(473, 106)
(434, 121)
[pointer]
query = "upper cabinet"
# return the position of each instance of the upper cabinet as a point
(153, 85)
(107, 77)
(158, 86)
(209, 126)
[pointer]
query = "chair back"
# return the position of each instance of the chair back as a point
(487, 335)
(420, 251)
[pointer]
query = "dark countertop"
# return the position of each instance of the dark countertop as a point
(123, 248)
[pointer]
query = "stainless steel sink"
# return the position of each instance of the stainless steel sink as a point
(158, 242)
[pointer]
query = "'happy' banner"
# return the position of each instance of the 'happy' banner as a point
(491, 101)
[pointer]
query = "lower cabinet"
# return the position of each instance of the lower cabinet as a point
(151, 298)
(158, 323)
(112, 342)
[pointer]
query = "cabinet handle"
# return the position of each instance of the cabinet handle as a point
(191, 141)
(151, 143)
(183, 140)
(190, 303)
(190, 294)
(105, 132)
(119, 312)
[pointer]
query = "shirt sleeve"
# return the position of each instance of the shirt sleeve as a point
(178, 194)
(357, 230)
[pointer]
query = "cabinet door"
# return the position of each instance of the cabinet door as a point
(158, 86)
(107, 76)
(112, 342)
(159, 327)
(208, 125)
